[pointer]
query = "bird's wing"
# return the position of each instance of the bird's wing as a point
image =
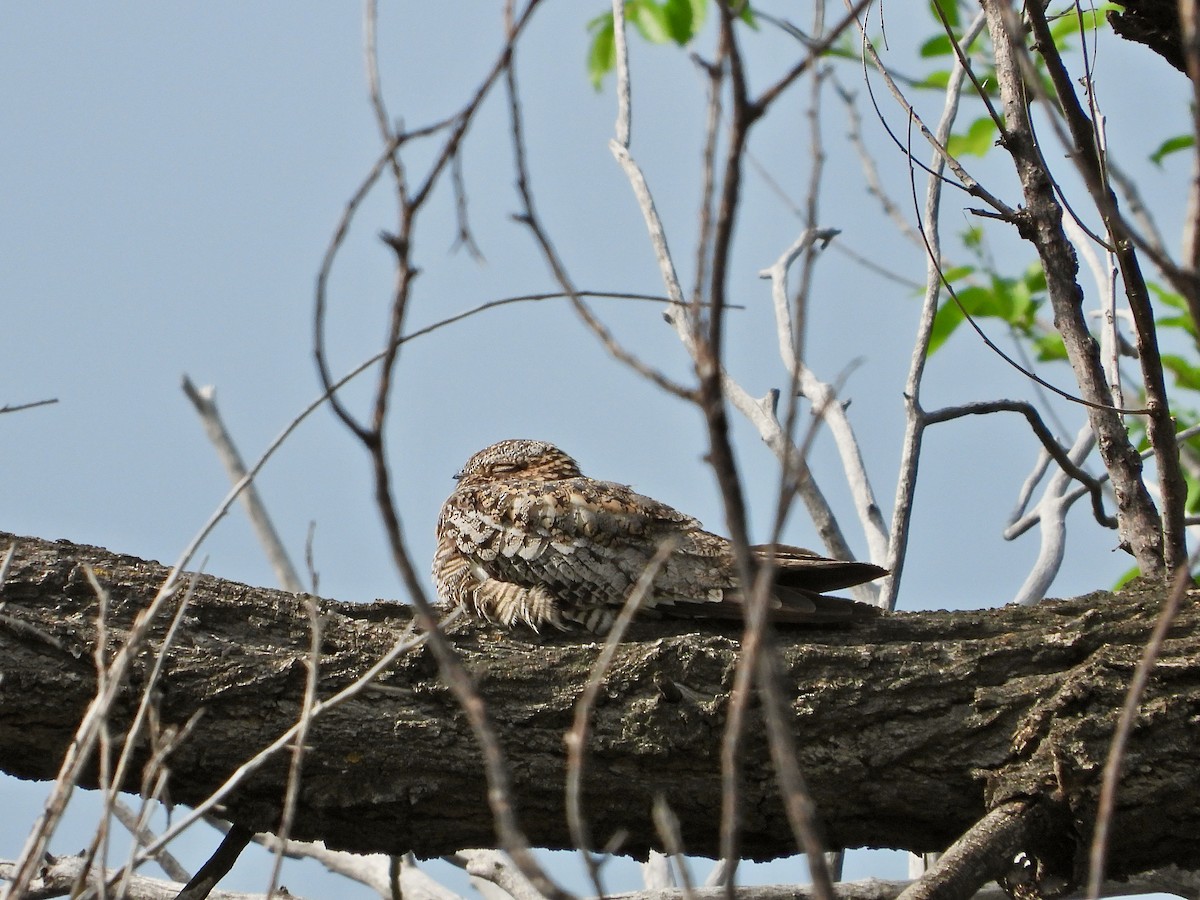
(797, 597)
(800, 568)
(586, 541)
(581, 544)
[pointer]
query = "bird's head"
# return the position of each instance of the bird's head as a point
(521, 459)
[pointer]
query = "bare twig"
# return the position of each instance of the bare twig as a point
(5, 564)
(24, 629)
(1100, 404)
(821, 395)
(1129, 712)
(914, 432)
(56, 877)
(341, 230)
(405, 643)
(90, 732)
(656, 871)
(375, 90)
(1060, 456)
(871, 171)
(164, 741)
(624, 123)
(410, 205)
(530, 218)
(217, 865)
(942, 157)
(714, 73)
(18, 407)
(816, 50)
(801, 811)
(99, 845)
(372, 437)
(576, 739)
(666, 823)
(135, 825)
(1052, 514)
(300, 743)
(465, 237)
(205, 402)
(1189, 20)
(1103, 477)
(1174, 881)
(493, 867)
(373, 870)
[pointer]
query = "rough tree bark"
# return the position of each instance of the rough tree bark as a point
(1154, 23)
(910, 726)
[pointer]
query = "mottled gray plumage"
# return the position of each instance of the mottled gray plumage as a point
(526, 538)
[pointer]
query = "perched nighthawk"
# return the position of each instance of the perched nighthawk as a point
(527, 538)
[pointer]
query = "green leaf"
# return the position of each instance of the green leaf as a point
(1172, 145)
(1050, 347)
(844, 50)
(677, 14)
(938, 45)
(1127, 576)
(979, 302)
(650, 19)
(684, 18)
(949, 10)
(1183, 323)
(1186, 374)
(945, 320)
(1001, 301)
(957, 273)
(1068, 23)
(1167, 297)
(1035, 278)
(987, 79)
(936, 80)
(979, 139)
(1020, 303)
(602, 55)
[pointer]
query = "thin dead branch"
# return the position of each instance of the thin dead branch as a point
(914, 431)
(1043, 434)
(300, 743)
(1097, 858)
(218, 865)
(205, 401)
(576, 739)
(20, 407)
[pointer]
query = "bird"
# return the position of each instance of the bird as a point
(527, 540)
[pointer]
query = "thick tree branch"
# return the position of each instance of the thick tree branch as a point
(1154, 23)
(1041, 224)
(1091, 161)
(909, 728)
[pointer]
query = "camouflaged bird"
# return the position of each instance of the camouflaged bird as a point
(526, 538)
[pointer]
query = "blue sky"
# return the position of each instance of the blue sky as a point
(171, 175)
